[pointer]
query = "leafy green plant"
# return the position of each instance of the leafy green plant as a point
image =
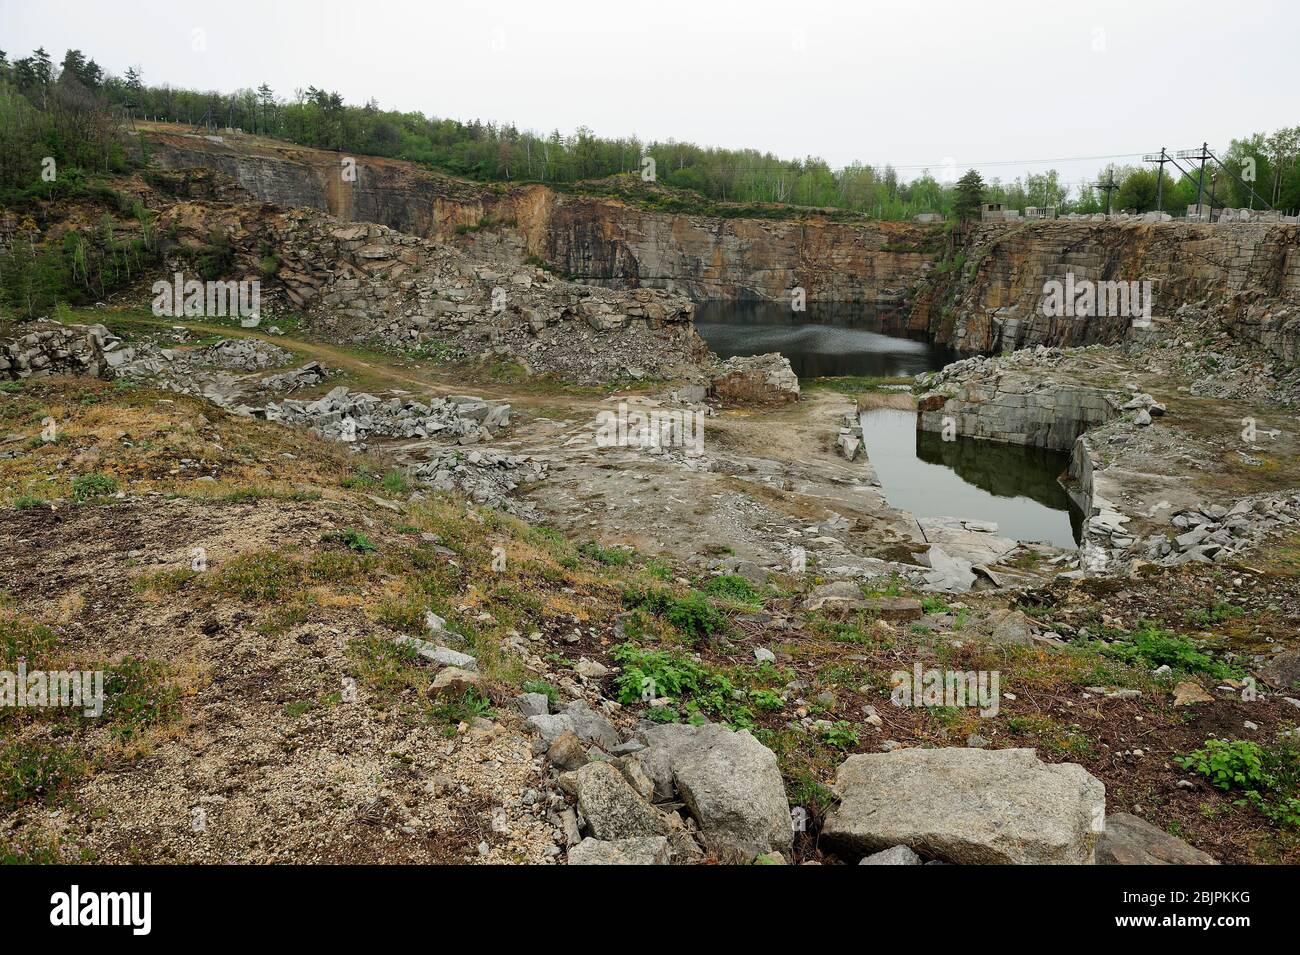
(701, 690)
(1268, 777)
(934, 605)
(609, 556)
(841, 735)
(1219, 612)
(1153, 647)
(91, 487)
(732, 587)
(692, 614)
(352, 539)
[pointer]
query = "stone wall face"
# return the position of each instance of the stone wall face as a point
(594, 239)
(748, 259)
(989, 302)
(365, 282)
(48, 348)
(1250, 270)
(989, 399)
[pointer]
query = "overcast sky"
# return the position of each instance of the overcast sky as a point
(938, 83)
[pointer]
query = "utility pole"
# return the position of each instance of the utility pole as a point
(1202, 154)
(1109, 186)
(1160, 176)
(1200, 180)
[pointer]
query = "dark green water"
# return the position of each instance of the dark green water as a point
(980, 480)
(823, 342)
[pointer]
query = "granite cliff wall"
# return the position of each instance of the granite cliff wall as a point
(989, 297)
(980, 295)
(594, 239)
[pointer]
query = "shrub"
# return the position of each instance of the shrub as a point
(692, 614)
(91, 487)
(352, 539)
(1268, 777)
(1153, 647)
(732, 587)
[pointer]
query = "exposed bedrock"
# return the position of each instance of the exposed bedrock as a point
(593, 239)
(979, 294)
(358, 282)
(992, 298)
(1011, 399)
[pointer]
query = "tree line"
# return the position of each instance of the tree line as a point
(75, 110)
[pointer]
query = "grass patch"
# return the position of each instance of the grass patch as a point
(35, 772)
(88, 488)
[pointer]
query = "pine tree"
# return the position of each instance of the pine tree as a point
(970, 194)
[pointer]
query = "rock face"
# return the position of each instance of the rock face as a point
(990, 304)
(755, 380)
(367, 283)
(993, 303)
(1129, 840)
(729, 781)
(1013, 399)
(48, 348)
(593, 238)
(967, 806)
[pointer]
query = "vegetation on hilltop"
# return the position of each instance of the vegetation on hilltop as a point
(489, 151)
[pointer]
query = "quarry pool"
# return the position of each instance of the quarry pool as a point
(1015, 487)
(825, 341)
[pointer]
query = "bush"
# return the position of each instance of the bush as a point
(91, 487)
(732, 587)
(1152, 647)
(692, 614)
(352, 539)
(1268, 777)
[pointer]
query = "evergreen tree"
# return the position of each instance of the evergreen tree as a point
(970, 195)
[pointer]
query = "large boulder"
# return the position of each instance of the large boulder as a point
(612, 808)
(1282, 671)
(967, 806)
(755, 380)
(647, 850)
(1129, 840)
(577, 719)
(730, 782)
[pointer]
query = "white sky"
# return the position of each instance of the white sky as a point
(925, 82)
